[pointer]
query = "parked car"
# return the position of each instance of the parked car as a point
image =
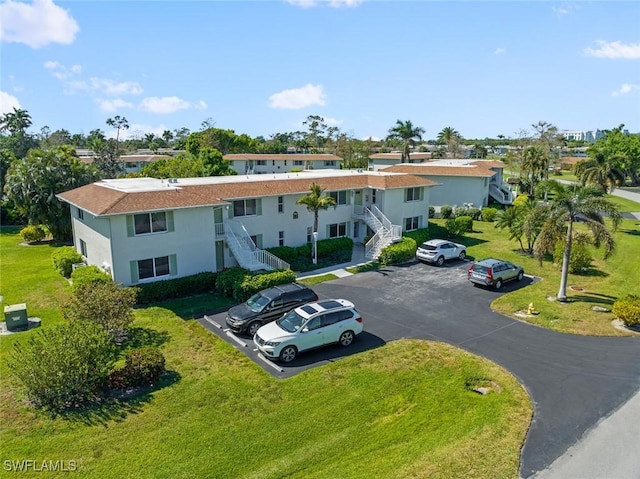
(494, 272)
(268, 305)
(437, 251)
(308, 327)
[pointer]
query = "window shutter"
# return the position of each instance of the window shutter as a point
(231, 208)
(134, 272)
(130, 229)
(173, 265)
(259, 206)
(170, 225)
(348, 195)
(328, 232)
(347, 229)
(259, 241)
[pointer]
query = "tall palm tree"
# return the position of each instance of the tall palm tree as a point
(16, 122)
(534, 164)
(315, 201)
(405, 131)
(450, 137)
(600, 169)
(569, 202)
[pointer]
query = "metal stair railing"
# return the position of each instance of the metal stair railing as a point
(248, 255)
(395, 231)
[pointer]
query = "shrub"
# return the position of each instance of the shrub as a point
(475, 213)
(65, 366)
(64, 258)
(286, 253)
(106, 304)
(251, 284)
(331, 245)
(627, 310)
(89, 275)
(400, 252)
(432, 212)
(175, 288)
(489, 214)
(143, 367)
(580, 258)
(228, 278)
(459, 211)
(330, 251)
(445, 212)
(33, 233)
(464, 224)
(419, 236)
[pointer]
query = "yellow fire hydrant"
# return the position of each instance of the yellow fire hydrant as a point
(531, 309)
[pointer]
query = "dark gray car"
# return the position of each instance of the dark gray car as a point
(494, 272)
(268, 305)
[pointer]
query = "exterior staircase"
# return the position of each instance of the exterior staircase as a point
(501, 193)
(245, 251)
(385, 232)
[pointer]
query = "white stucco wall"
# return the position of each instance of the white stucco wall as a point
(397, 209)
(96, 233)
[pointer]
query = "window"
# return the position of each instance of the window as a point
(150, 223)
(280, 204)
(285, 162)
(329, 163)
(412, 223)
(337, 230)
(273, 162)
(83, 248)
(309, 234)
(280, 238)
(261, 162)
(80, 214)
(245, 207)
(298, 163)
(373, 196)
(153, 267)
(413, 194)
(340, 197)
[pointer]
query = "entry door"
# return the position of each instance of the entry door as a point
(357, 202)
(219, 255)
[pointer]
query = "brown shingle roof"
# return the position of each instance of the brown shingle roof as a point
(286, 156)
(398, 156)
(100, 199)
(437, 170)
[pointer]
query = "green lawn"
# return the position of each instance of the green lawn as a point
(406, 409)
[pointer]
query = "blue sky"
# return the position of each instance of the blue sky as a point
(261, 67)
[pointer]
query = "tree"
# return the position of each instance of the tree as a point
(179, 166)
(32, 184)
(119, 123)
(408, 134)
(64, 367)
(534, 165)
(568, 203)
(317, 131)
(104, 303)
(214, 163)
(600, 169)
(524, 219)
(316, 201)
(450, 137)
(16, 124)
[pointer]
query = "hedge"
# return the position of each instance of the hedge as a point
(33, 233)
(400, 252)
(330, 251)
(419, 236)
(445, 212)
(64, 258)
(89, 275)
(489, 214)
(175, 288)
(251, 284)
(143, 367)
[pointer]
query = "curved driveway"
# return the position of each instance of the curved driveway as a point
(574, 381)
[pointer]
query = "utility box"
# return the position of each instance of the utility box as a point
(15, 315)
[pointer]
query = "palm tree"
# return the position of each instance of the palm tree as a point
(316, 201)
(405, 131)
(16, 122)
(534, 163)
(450, 137)
(569, 202)
(600, 169)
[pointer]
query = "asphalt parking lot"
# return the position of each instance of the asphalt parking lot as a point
(573, 381)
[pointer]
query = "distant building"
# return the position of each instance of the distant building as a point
(590, 136)
(261, 164)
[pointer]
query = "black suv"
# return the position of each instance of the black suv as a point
(268, 305)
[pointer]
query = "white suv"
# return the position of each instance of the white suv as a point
(307, 327)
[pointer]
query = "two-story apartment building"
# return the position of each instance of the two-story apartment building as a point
(145, 229)
(258, 163)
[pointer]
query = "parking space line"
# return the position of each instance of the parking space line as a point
(273, 365)
(236, 339)
(211, 321)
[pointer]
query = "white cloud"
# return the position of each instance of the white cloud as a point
(37, 24)
(626, 88)
(614, 50)
(565, 8)
(297, 98)
(8, 102)
(59, 71)
(138, 130)
(168, 104)
(371, 138)
(112, 106)
(499, 51)
(332, 121)
(110, 87)
(331, 3)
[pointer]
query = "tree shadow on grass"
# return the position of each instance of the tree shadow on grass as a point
(140, 337)
(631, 232)
(592, 298)
(118, 405)
(592, 273)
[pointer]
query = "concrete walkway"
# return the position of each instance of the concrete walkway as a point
(340, 270)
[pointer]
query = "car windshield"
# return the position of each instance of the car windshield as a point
(291, 322)
(478, 268)
(257, 302)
